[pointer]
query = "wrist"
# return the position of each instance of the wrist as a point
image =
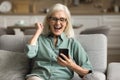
(90, 71)
(78, 69)
(38, 31)
(72, 66)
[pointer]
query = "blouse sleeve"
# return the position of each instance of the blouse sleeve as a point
(31, 50)
(81, 57)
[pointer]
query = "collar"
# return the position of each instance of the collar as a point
(62, 36)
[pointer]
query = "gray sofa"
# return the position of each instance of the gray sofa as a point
(14, 64)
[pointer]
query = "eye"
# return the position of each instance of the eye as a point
(53, 18)
(62, 19)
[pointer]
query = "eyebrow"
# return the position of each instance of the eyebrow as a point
(57, 17)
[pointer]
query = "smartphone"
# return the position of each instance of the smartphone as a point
(64, 51)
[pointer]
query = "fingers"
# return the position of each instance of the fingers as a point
(39, 25)
(61, 61)
(65, 61)
(64, 56)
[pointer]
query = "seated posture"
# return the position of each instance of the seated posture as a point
(55, 51)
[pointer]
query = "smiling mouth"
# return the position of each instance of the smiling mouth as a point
(57, 27)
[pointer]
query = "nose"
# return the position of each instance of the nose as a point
(58, 22)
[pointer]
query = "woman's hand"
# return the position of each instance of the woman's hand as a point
(66, 62)
(39, 28)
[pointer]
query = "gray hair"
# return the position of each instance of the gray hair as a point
(58, 7)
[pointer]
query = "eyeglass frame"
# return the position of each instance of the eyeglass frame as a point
(54, 19)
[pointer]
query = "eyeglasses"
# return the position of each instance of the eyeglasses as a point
(54, 19)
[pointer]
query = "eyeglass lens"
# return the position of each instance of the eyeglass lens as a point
(60, 19)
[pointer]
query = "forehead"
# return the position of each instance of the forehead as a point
(59, 14)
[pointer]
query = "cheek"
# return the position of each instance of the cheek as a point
(51, 24)
(64, 25)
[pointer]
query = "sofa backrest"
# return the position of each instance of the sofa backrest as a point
(94, 44)
(13, 42)
(96, 47)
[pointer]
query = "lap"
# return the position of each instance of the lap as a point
(34, 78)
(91, 76)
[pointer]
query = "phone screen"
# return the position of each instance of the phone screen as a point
(64, 51)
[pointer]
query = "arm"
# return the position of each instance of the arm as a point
(32, 46)
(39, 27)
(68, 62)
(81, 65)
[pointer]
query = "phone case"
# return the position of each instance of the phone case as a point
(64, 51)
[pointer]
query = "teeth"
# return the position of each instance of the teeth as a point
(57, 27)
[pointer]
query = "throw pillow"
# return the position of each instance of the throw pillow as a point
(97, 30)
(13, 65)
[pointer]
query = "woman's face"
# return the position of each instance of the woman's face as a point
(57, 22)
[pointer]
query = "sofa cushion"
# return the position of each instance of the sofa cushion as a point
(113, 71)
(96, 47)
(95, 76)
(12, 43)
(97, 30)
(2, 31)
(15, 43)
(13, 65)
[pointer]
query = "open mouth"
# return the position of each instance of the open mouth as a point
(57, 27)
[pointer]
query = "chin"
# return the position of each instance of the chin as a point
(57, 34)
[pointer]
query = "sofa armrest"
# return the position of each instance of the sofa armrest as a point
(113, 72)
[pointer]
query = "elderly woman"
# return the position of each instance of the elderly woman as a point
(56, 33)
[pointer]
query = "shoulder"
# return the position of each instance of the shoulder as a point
(74, 41)
(42, 37)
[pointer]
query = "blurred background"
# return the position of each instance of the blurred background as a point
(88, 17)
